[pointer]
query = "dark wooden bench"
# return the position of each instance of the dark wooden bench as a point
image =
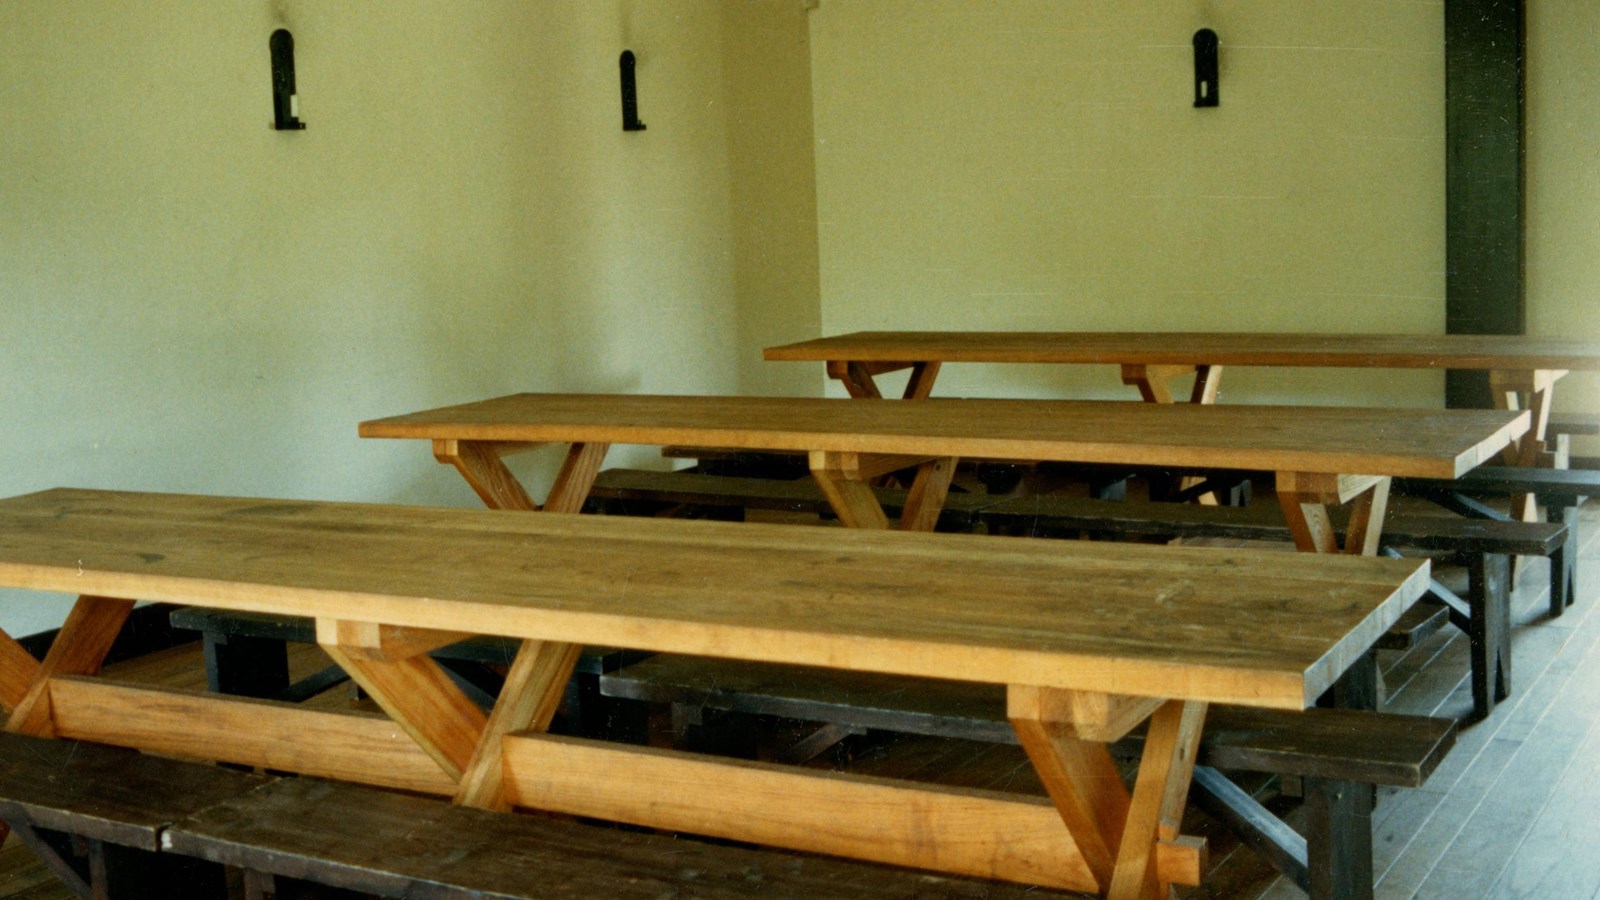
(398, 845)
(700, 495)
(1484, 546)
(1559, 491)
(95, 814)
(166, 828)
(1335, 752)
(246, 655)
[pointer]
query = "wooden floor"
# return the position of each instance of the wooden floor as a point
(1506, 815)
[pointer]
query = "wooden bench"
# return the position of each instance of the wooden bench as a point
(1560, 491)
(157, 827)
(1333, 750)
(246, 655)
(699, 495)
(117, 803)
(1484, 614)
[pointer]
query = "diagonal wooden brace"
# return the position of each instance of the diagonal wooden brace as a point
(1306, 497)
(79, 649)
(17, 671)
(528, 701)
(417, 695)
(482, 464)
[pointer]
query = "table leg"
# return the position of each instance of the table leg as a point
(1154, 381)
(1306, 497)
(79, 649)
(528, 701)
(844, 480)
(411, 688)
(928, 492)
(1530, 390)
(1156, 811)
(1130, 842)
(393, 666)
(920, 384)
(17, 669)
(857, 377)
(1154, 384)
(482, 464)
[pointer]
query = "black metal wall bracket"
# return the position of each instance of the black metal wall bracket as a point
(630, 94)
(285, 103)
(1205, 68)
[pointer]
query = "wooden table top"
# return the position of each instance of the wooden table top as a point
(1336, 440)
(1236, 626)
(1439, 351)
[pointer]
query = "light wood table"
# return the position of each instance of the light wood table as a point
(1323, 456)
(1090, 640)
(1522, 370)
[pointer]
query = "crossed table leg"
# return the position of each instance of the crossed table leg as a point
(1125, 845)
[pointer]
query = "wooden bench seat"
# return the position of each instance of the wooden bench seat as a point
(644, 492)
(1560, 491)
(160, 827)
(1484, 614)
(118, 802)
(1333, 750)
(397, 845)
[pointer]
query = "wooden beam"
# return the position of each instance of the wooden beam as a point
(927, 495)
(17, 671)
(971, 832)
(576, 477)
(1484, 190)
(528, 701)
(1154, 381)
(920, 385)
(1082, 781)
(387, 643)
(79, 649)
(479, 462)
(1159, 795)
(418, 695)
(1087, 715)
(350, 746)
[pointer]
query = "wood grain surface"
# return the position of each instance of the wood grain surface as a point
(1230, 626)
(1438, 443)
(1418, 351)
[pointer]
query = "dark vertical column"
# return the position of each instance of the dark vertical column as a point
(1483, 47)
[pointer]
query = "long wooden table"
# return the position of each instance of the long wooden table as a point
(1323, 456)
(1090, 640)
(1522, 370)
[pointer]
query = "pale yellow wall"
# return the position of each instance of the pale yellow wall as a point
(1563, 185)
(1040, 165)
(768, 74)
(190, 301)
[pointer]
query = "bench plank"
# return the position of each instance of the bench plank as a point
(400, 846)
(107, 793)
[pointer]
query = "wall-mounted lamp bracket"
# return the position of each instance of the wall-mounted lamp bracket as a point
(630, 94)
(285, 103)
(1205, 68)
